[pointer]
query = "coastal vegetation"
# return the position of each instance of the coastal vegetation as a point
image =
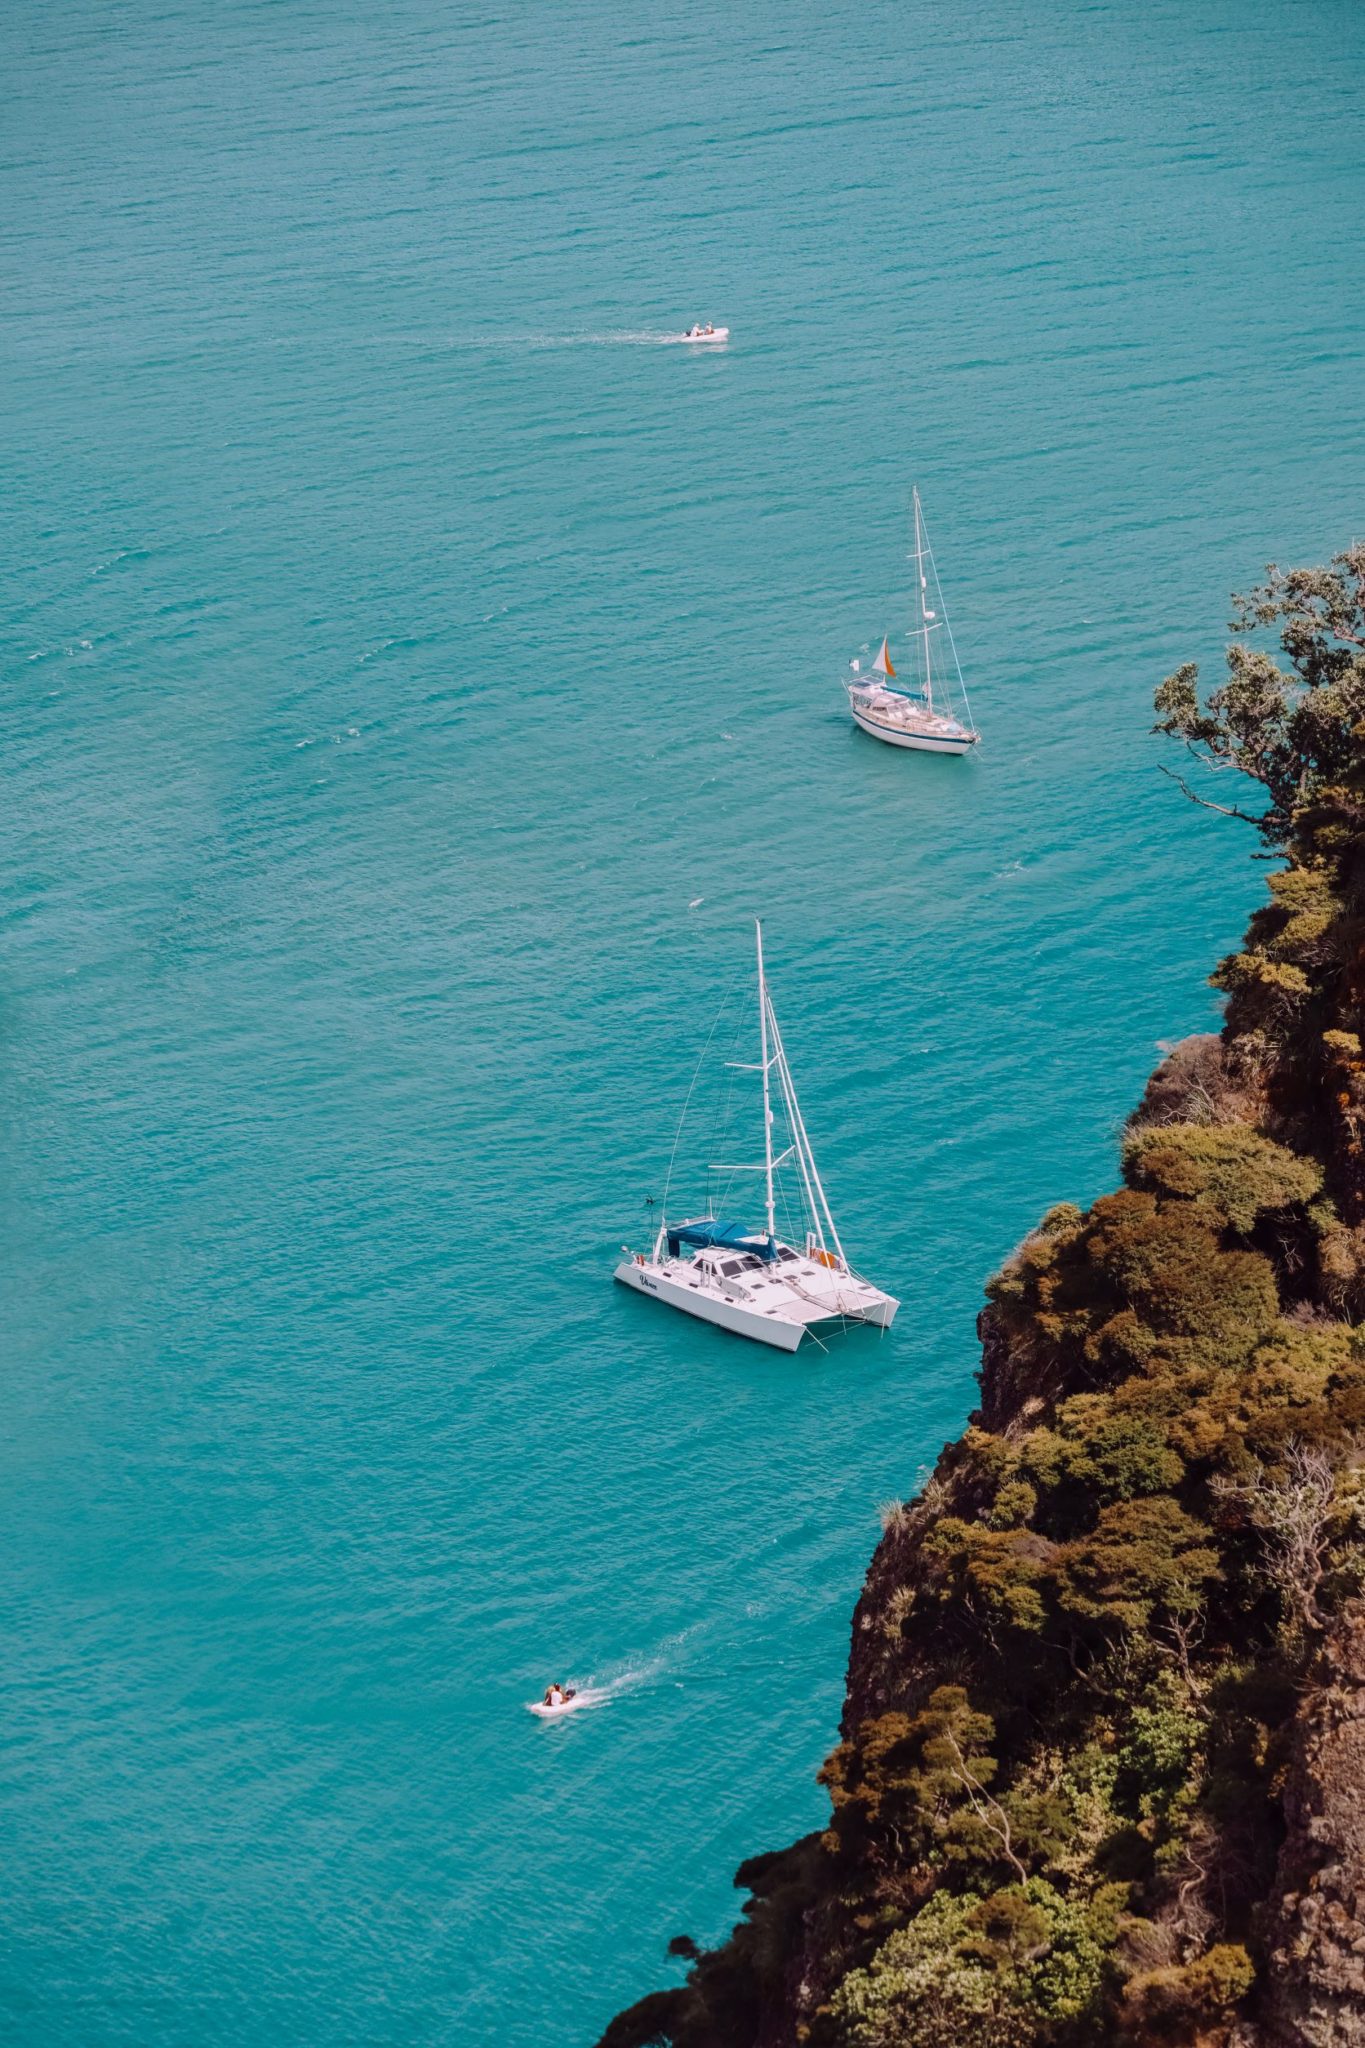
(1102, 1765)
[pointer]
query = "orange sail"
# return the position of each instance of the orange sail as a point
(883, 662)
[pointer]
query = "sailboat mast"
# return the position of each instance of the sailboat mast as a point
(923, 606)
(767, 1103)
(810, 1172)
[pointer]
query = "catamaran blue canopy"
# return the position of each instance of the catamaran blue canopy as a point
(735, 1237)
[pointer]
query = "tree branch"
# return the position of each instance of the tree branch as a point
(1224, 810)
(1294, 1517)
(977, 1793)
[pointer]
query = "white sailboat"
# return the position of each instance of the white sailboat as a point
(751, 1281)
(922, 716)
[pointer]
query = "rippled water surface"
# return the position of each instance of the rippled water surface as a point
(414, 679)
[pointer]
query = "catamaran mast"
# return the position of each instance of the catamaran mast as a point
(923, 604)
(810, 1173)
(767, 1063)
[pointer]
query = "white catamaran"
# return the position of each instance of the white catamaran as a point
(922, 716)
(751, 1281)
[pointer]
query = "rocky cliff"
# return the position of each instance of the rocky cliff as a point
(1101, 1774)
(1315, 1935)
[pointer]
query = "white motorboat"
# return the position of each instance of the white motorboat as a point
(923, 716)
(754, 1282)
(706, 333)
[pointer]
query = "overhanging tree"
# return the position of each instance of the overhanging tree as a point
(1297, 730)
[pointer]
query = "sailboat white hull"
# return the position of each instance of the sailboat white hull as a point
(782, 1309)
(711, 1308)
(908, 736)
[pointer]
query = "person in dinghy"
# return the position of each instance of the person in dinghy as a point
(557, 1695)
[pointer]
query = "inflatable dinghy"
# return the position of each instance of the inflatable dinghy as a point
(705, 334)
(566, 1705)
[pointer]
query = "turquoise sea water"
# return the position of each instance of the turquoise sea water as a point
(396, 643)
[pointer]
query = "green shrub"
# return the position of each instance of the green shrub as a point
(1005, 1965)
(1116, 1454)
(1227, 1170)
(1155, 1760)
(1013, 1505)
(1003, 1571)
(923, 1780)
(1169, 1267)
(1142, 1556)
(1174, 1999)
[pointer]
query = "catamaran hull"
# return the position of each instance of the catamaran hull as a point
(709, 1308)
(852, 1301)
(881, 1314)
(849, 1301)
(921, 742)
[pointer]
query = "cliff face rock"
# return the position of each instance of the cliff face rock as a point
(1101, 1769)
(1018, 1382)
(1316, 1991)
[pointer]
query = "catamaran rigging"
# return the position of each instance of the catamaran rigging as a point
(721, 1271)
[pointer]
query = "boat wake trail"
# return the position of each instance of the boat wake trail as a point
(609, 337)
(632, 1674)
(617, 337)
(431, 343)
